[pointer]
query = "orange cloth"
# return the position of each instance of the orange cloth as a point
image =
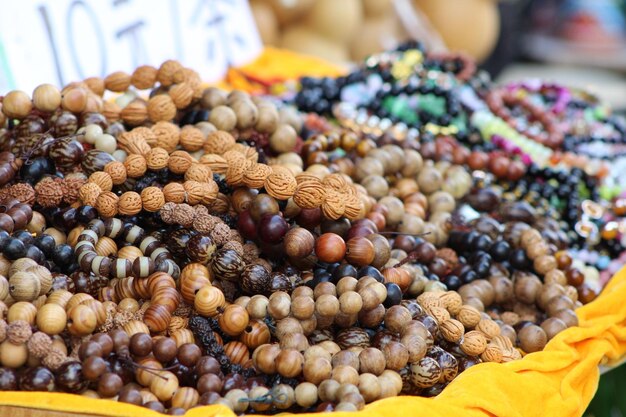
(557, 382)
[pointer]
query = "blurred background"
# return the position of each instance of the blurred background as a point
(578, 42)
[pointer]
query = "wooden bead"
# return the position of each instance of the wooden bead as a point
(264, 358)
(237, 352)
(135, 326)
(208, 301)
(157, 317)
(298, 242)
(255, 334)
(185, 398)
(330, 247)
(182, 336)
(317, 370)
(60, 297)
(51, 319)
(345, 375)
(234, 320)
(303, 307)
(22, 310)
(24, 286)
(190, 283)
(372, 360)
(81, 320)
(164, 386)
(76, 299)
(289, 363)
(13, 356)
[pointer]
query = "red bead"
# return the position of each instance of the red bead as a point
(330, 248)
(477, 160)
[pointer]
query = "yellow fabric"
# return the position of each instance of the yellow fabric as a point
(557, 382)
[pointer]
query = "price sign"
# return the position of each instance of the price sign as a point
(59, 41)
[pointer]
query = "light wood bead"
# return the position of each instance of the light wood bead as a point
(60, 297)
(135, 326)
(182, 336)
(98, 308)
(143, 376)
(22, 310)
(21, 264)
(44, 276)
(165, 386)
(106, 246)
(185, 398)
(234, 320)
(82, 321)
(76, 299)
(208, 301)
(13, 356)
(4, 287)
(51, 319)
(128, 304)
(24, 286)
(129, 252)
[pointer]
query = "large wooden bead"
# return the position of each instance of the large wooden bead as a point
(134, 327)
(185, 398)
(22, 310)
(209, 301)
(234, 320)
(289, 363)
(237, 352)
(190, 283)
(168, 297)
(255, 334)
(157, 317)
(98, 308)
(164, 386)
(51, 319)
(81, 320)
(24, 286)
(182, 336)
(60, 297)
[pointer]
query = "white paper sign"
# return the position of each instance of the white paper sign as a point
(59, 41)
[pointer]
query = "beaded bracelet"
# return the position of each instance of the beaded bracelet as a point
(156, 258)
(497, 101)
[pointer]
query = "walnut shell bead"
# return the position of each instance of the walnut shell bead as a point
(174, 193)
(157, 159)
(135, 165)
(144, 77)
(106, 204)
(129, 203)
(116, 171)
(161, 108)
(152, 199)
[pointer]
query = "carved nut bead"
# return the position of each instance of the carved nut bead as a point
(452, 330)
(111, 111)
(181, 95)
(211, 193)
(195, 191)
(452, 301)
(157, 159)
(492, 353)
(237, 165)
(161, 108)
(310, 193)
(191, 138)
(440, 314)
(179, 162)
(199, 172)
(117, 171)
(102, 180)
(144, 77)
(174, 192)
(106, 204)
(474, 343)
(469, 316)
(281, 185)
(152, 199)
(135, 165)
(133, 143)
(218, 142)
(489, 328)
(165, 74)
(334, 205)
(217, 163)
(167, 135)
(255, 175)
(117, 81)
(89, 193)
(129, 203)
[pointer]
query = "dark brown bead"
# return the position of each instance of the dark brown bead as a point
(155, 405)
(109, 385)
(140, 344)
(37, 379)
(207, 365)
(209, 398)
(8, 379)
(89, 349)
(130, 396)
(209, 383)
(120, 338)
(6, 223)
(425, 252)
(164, 349)
(189, 354)
(94, 367)
(255, 279)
